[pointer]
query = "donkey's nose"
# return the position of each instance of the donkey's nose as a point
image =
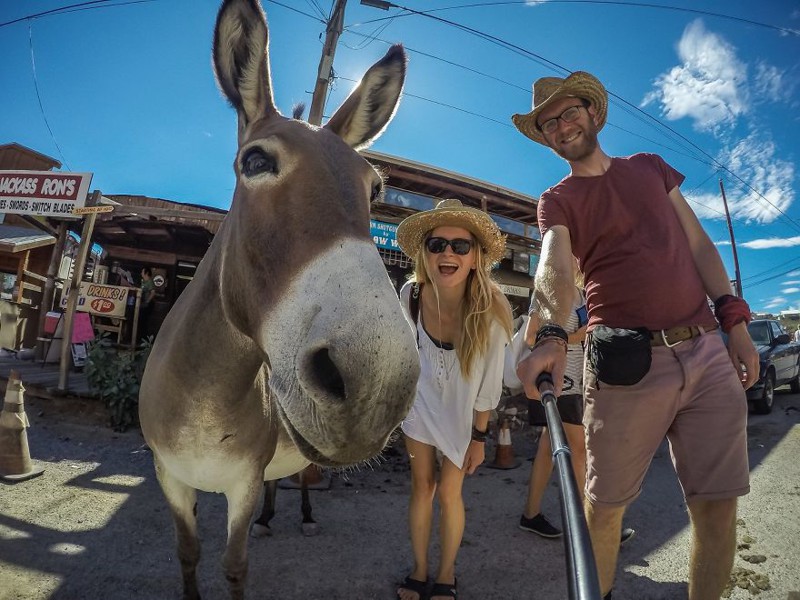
(326, 374)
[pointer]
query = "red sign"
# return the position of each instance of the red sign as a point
(100, 305)
(43, 192)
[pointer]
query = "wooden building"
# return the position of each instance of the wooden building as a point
(26, 248)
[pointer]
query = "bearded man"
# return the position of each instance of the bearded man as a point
(656, 366)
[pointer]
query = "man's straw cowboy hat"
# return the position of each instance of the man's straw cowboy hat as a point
(411, 233)
(547, 90)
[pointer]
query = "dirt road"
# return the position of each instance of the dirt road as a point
(95, 525)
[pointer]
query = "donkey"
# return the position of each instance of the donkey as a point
(289, 347)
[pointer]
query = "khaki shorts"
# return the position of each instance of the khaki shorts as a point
(693, 396)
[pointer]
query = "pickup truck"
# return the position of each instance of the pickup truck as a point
(779, 361)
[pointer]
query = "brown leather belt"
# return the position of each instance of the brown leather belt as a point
(676, 335)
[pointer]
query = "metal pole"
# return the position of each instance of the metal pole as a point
(74, 290)
(733, 242)
(333, 30)
(583, 582)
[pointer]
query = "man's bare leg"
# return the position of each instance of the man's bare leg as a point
(713, 547)
(605, 525)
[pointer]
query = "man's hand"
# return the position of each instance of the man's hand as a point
(476, 454)
(548, 357)
(743, 353)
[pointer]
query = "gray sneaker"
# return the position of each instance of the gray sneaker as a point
(539, 525)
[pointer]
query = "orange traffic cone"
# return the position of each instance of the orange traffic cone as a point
(15, 457)
(504, 455)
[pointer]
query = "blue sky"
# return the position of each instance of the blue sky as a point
(128, 94)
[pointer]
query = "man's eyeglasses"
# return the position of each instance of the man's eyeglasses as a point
(568, 116)
(437, 245)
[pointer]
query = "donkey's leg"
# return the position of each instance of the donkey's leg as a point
(182, 501)
(309, 525)
(261, 526)
(242, 502)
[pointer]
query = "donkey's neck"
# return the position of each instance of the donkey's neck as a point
(203, 342)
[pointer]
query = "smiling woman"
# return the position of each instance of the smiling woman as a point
(462, 322)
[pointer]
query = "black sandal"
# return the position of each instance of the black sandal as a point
(446, 590)
(414, 585)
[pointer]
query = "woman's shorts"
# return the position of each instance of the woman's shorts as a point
(570, 407)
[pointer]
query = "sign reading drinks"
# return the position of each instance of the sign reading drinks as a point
(102, 300)
(43, 193)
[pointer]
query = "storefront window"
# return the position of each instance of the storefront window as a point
(407, 199)
(7, 283)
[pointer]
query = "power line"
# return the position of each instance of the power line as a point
(450, 106)
(54, 10)
(39, 98)
(314, 6)
(64, 12)
(546, 62)
(300, 12)
(706, 13)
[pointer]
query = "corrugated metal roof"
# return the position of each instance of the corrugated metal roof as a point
(18, 239)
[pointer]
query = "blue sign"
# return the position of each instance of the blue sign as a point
(384, 234)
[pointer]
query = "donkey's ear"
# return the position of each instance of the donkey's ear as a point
(368, 110)
(241, 59)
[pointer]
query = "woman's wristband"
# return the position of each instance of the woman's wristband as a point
(478, 435)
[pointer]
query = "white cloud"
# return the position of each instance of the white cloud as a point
(775, 302)
(769, 83)
(755, 160)
(767, 243)
(710, 86)
(791, 282)
(793, 290)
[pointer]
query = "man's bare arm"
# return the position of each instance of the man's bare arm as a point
(555, 282)
(715, 280)
(554, 294)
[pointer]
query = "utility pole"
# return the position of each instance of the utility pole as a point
(332, 32)
(733, 242)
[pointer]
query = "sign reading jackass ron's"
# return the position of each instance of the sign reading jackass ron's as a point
(43, 193)
(102, 300)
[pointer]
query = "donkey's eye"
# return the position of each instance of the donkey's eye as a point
(377, 192)
(256, 161)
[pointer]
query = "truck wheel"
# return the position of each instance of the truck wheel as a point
(763, 406)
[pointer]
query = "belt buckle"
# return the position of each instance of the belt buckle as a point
(663, 333)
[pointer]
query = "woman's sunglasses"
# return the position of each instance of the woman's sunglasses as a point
(437, 245)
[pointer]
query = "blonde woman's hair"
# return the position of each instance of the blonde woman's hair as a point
(484, 302)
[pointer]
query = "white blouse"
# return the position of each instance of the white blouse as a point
(442, 414)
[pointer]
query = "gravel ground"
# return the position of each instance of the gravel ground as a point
(95, 525)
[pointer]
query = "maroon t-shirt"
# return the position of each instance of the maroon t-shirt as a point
(630, 245)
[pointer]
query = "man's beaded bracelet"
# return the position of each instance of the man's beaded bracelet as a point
(478, 435)
(550, 340)
(551, 330)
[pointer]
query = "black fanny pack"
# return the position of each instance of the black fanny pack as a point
(620, 356)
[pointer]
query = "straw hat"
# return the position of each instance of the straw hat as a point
(547, 90)
(412, 231)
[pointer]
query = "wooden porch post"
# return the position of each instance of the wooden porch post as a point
(74, 290)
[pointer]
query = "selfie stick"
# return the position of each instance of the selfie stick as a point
(581, 567)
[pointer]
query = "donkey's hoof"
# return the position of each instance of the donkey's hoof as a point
(310, 529)
(259, 531)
